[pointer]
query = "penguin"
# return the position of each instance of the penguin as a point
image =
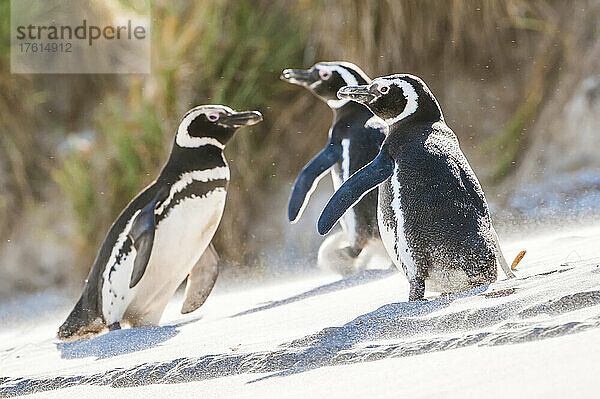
(432, 213)
(354, 140)
(164, 234)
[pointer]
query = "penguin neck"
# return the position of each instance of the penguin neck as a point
(410, 130)
(351, 110)
(183, 160)
(424, 108)
(423, 115)
(336, 104)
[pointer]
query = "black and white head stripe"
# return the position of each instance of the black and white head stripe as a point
(325, 78)
(409, 91)
(396, 97)
(213, 114)
(358, 73)
(350, 74)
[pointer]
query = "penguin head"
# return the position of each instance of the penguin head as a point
(325, 79)
(396, 97)
(212, 125)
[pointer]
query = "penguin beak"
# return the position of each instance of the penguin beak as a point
(241, 119)
(300, 77)
(360, 94)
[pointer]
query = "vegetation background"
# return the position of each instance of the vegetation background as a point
(518, 80)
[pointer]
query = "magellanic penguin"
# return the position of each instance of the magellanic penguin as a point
(164, 234)
(354, 140)
(433, 216)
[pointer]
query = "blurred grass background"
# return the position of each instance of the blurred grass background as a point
(81, 146)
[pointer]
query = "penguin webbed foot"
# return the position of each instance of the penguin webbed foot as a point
(352, 252)
(114, 326)
(338, 255)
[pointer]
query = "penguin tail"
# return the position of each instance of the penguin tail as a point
(81, 323)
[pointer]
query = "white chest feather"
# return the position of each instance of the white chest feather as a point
(179, 241)
(116, 276)
(394, 240)
(348, 221)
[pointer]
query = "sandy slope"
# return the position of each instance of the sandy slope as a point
(533, 336)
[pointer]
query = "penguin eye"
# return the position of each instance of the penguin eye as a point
(324, 74)
(384, 89)
(213, 117)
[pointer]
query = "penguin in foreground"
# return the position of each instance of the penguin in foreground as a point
(164, 234)
(433, 216)
(353, 143)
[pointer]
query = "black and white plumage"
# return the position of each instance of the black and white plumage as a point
(164, 234)
(432, 213)
(354, 140)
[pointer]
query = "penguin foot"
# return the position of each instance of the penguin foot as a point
(417, 290)
(342, 260)
(352, 252)
(114, 326)
(373, 256)
(337, 255)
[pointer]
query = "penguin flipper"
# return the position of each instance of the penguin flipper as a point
(142, 236)
(201, 280)
(353, 189)
(309, 177)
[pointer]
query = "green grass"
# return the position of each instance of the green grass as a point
(135, 130)
(232, 52)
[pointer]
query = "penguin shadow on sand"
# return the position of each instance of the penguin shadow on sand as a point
(362, 277)
(519, 310)
(335, 345)
(534, 307)
(129, 340)
(120, 342)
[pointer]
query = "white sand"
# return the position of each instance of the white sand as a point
(535, 336)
